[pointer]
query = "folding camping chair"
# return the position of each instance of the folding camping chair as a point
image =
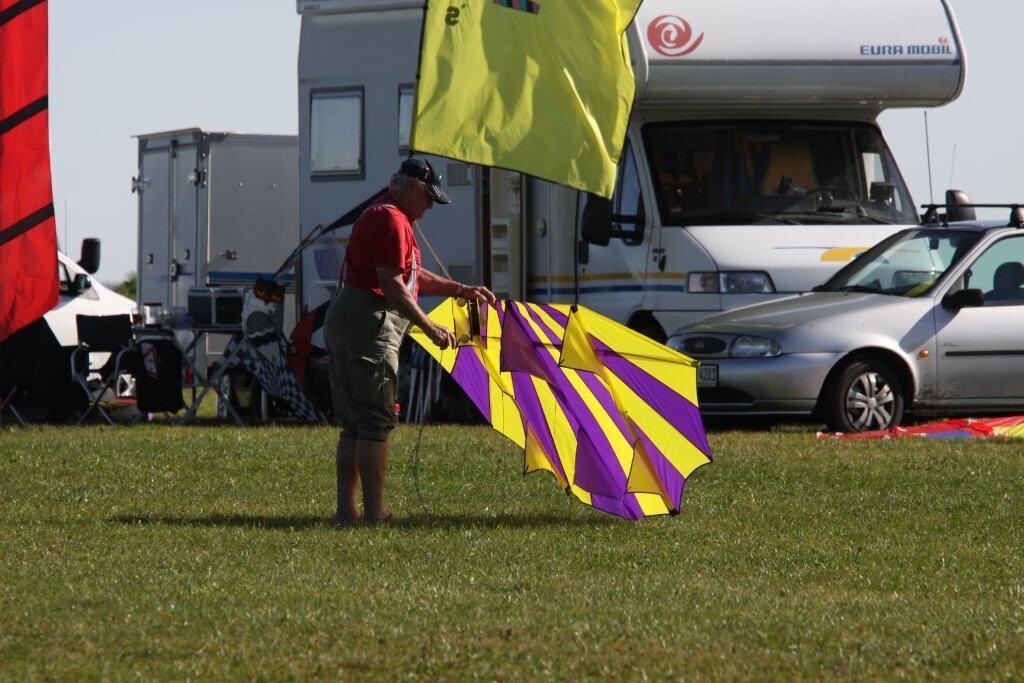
(110, 334)
(7, 403)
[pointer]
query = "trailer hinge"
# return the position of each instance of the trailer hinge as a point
(140, 184)
(197, 177)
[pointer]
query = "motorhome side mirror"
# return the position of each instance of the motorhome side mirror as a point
(82, 283)
(883, 193)
(958, 207)
(90, 261)
(596, 225)
(964, 298)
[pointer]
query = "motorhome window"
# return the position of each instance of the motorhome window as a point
(405, 102)
(880, 173)
(628, 200)
(771, 173)
(336, 133)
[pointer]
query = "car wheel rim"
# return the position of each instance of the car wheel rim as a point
(870, 402)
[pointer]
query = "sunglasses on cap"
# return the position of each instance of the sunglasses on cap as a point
(421, 170)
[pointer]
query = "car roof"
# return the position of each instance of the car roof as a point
(968, 226)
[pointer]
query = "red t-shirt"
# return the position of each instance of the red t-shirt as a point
(382, 238)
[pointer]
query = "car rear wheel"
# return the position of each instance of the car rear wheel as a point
(865, 396)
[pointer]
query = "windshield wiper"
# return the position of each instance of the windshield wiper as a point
(740, 217)
(880, 221)
(838, 212)
(773, 217)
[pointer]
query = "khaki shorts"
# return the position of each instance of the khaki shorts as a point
(363, 335)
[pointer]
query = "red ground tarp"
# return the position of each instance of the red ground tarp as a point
(967, 428)
(28, 231)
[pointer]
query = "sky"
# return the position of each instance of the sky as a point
(118, 69)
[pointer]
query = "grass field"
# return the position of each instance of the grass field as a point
(208, 552)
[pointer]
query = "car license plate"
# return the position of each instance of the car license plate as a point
(707, 376)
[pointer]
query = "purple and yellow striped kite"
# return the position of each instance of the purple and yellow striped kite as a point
(611, 414)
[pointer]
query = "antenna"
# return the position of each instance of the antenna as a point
(952, 167)
(928, 148)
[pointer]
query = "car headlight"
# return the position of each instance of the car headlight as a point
(755, 347)
(732, 282)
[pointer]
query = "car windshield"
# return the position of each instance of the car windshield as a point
(769, 173)
(907, 264)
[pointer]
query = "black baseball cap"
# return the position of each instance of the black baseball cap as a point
(421, 170)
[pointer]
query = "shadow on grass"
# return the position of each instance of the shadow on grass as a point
(412, 521)
(248, 422)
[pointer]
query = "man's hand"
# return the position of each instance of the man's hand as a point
(479, 293)
(441, 336)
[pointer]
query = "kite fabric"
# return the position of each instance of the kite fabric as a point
(28, 231)
(970, 428)
(543, 88)
(611, 414)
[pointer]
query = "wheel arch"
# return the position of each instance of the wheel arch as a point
(643, 321)
(893, 360)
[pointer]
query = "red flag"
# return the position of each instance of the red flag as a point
(28, 231)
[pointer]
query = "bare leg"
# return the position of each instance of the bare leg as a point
(373, 466)
(347, 466)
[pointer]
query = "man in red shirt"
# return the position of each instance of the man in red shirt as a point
(369, 315)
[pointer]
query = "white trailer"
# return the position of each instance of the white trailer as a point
(754, 165)
(214, 209)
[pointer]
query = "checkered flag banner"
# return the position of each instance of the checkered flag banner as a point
(276, 377)
(265, 355)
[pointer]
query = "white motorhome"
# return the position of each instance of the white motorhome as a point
(754, 166)
(81, 294)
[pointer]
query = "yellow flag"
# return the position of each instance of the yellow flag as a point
(543, 87)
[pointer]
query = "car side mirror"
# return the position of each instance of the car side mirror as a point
(90, 261)
(596, 224)
(965, 298)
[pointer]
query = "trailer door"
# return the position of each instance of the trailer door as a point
(185, 181)
(154, 226)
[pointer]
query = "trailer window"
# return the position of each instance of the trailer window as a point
(406, 95)
(770, 173)
(336, 132)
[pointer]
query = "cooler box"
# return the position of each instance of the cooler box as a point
(215, 307)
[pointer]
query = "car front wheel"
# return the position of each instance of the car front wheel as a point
(865, 396)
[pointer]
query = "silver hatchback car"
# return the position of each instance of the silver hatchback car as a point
(930, 320)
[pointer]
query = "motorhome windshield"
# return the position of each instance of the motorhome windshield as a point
(768, 173)
(907, 264)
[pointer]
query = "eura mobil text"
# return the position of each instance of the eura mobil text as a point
(941, 48)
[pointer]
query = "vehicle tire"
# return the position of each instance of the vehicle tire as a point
(865, 396)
